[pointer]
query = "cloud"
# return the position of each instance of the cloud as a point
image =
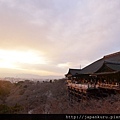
(64, 65)
(69, 34)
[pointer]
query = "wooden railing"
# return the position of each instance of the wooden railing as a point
(83, 86)
(109, 86)
(100, 85)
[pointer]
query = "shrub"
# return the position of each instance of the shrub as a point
(4, 109)
(16, 108)
(21, 92)
(25, 86)
(4, 92)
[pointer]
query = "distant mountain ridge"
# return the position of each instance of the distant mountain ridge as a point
(31, 76)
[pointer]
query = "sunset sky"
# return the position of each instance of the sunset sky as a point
(47, 37)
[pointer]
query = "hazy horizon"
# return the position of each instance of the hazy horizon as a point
(47, 37)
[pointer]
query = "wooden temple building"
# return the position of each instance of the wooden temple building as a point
(100, 78)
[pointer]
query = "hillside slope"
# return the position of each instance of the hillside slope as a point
(50, 98)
